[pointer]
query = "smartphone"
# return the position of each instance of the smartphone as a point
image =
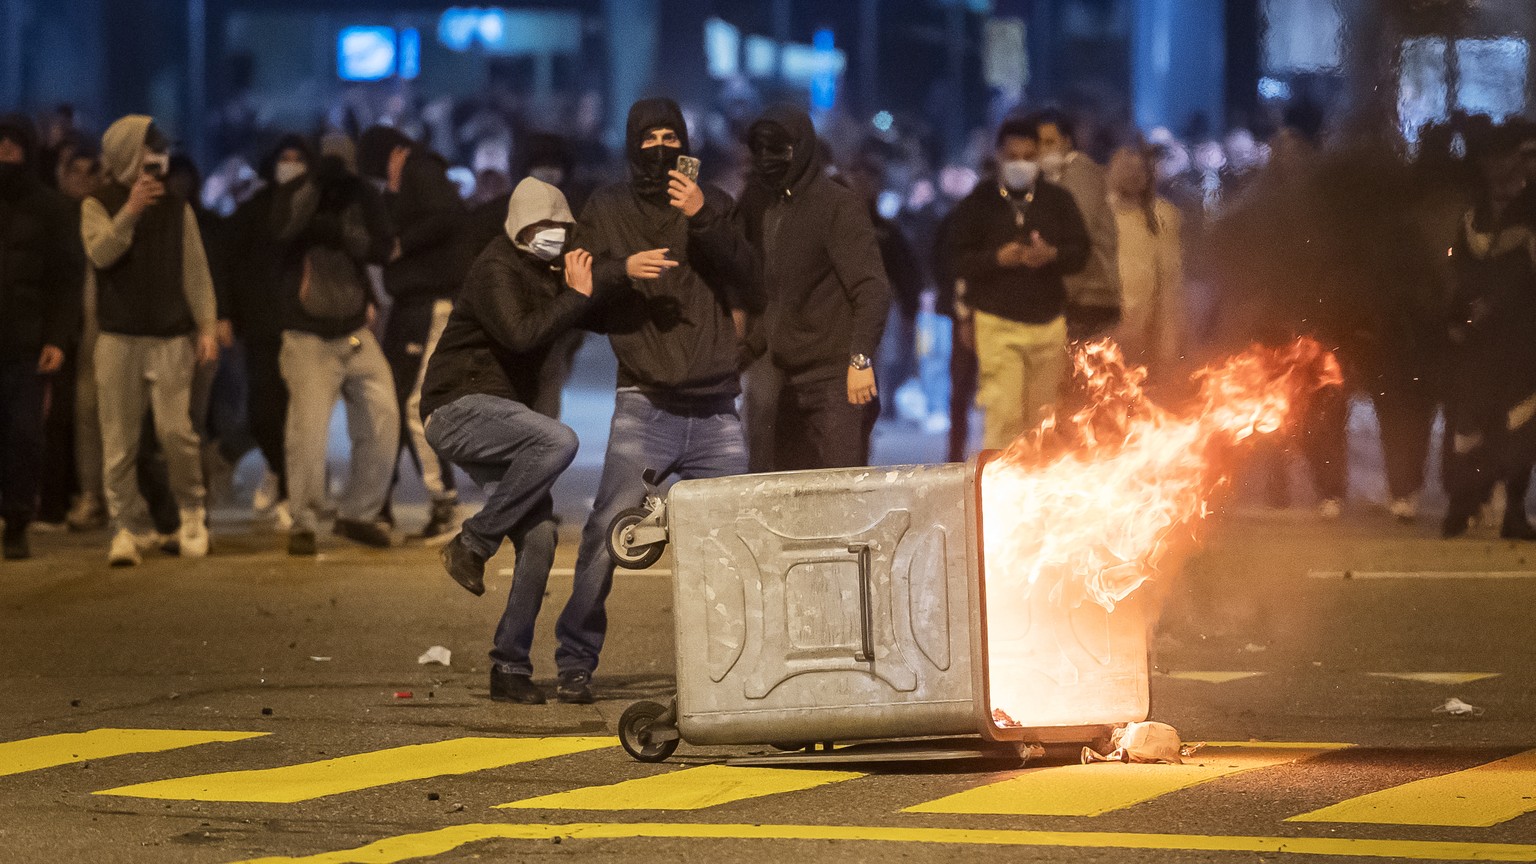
(689, 166)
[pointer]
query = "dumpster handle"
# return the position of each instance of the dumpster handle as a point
(866, 614)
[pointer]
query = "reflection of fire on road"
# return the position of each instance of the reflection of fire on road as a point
(1079, 514)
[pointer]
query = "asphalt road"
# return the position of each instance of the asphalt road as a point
(1284, 629)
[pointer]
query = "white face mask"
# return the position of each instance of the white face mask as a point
(1052, 163)
(1018, 174)
(158, 164)
(287, 172)
(548, 243)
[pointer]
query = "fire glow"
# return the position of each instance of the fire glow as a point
(1079, 514)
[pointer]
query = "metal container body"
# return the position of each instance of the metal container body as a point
(824, 605)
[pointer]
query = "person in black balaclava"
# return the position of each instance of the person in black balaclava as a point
(828, 296)
(670, 269)
(40, 271)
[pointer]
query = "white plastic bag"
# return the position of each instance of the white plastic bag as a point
(1146, 742)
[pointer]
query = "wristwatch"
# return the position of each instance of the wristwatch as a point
(860, 361)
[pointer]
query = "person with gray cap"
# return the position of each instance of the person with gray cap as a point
(523, 293)
(158, 320)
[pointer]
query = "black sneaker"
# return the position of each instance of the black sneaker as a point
(367, 533)
(444, 518)
(302, 543)
(466, 568)
(512, 687)
(1517, 528)
(16, 546)
(575, 688)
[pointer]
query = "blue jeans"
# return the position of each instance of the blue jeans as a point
(688, 441)
(516, 454)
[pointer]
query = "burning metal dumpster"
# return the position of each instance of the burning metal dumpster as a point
(996, 598)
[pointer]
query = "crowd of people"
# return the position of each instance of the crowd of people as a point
(763, 316)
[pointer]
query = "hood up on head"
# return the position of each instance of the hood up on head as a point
(374, 147)
(122, 148)
(287, 142)
(648, 167)
(535, 201)
(791, 124)
(19, 128)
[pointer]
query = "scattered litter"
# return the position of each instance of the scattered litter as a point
(457, 808)
(320, 659)
(1149, 742)
(404, 694)
(266, 712)
(436, 654)
(1251, 648)
(74, 703)
(433, 796)
(1457, 708)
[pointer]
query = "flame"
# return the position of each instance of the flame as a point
(1086, 510)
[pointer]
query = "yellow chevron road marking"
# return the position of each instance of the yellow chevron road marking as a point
(308, 780)
(47, 751)
(408, 846)
(1091, 790)
(1438, 677)
(1212, 677)
(689, 789)
(1475, 798)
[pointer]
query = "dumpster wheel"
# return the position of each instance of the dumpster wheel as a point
(632, 557)
(647, 732)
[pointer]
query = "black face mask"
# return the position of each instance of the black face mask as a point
(772, 165)
(649, 170)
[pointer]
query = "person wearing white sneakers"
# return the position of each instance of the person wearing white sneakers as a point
(156, 311)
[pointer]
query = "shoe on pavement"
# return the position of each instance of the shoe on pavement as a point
(302, 543)
(16, 546)
(1331, 508)
(443, 522)
(575, 688)
(192, 537)
(1518, 528)
(87, 514)
(282, 514)
(1404, 509)
(514, 687)
(265, 496)
(126, 549)
(367, 533)
(466, 568)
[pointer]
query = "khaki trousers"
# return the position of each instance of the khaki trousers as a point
(1022, 367)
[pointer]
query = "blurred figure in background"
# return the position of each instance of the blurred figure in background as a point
(1151, 264)
(898, 347)
(158, 319)
(426, 266)
(1093, 293)
(40, 271)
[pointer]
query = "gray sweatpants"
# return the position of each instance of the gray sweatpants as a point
(134, 374)
(318, 372)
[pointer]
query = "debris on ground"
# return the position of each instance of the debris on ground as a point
(320, 659)
(1148, 742)
(436, 654)
(404, 694)
(1457, 708)
(1253, 648)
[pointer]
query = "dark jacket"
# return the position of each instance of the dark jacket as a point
(248, 271)
(825, 285)
(674, 336)
(426, 216)
(327, 215)
(41, 262)
(986, 220)
(508, 314)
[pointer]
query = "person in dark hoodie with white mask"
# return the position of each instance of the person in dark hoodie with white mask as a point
(523, 294)
(827, 291)
(670, 269)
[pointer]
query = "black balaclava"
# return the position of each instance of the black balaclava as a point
(784, 148)
(18, 129)
(649, 167)
(374, 148)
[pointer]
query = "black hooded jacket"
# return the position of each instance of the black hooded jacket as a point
(249, 268)
(674, 336)
(426, 216)
(41, 259)
(825, 285)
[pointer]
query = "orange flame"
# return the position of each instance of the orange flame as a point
(1088, 508)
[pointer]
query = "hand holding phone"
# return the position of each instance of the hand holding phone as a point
(684, 187)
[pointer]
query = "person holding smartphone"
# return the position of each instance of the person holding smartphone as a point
(670, 269)
(1013, 241)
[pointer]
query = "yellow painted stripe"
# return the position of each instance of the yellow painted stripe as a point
(426, 844)
(1438, 677)
(309, 780)
(32, 754)
(1475, 798)
(1091, 790)
(1213, 677)
(689, 789)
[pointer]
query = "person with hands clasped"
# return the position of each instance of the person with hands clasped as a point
(1013, 241)
(524, 292)
(670, 270)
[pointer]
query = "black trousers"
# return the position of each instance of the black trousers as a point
(21, 439)
(964, 372)
(60, 482)
(816, 426)
(267, 404)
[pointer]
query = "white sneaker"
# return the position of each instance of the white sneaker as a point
(193, 536)
(282, 512)
(265, 496)
(125, 550)
(1404, 509)
(1331, 508)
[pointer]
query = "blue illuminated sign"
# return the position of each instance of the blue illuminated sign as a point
(366, 53)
